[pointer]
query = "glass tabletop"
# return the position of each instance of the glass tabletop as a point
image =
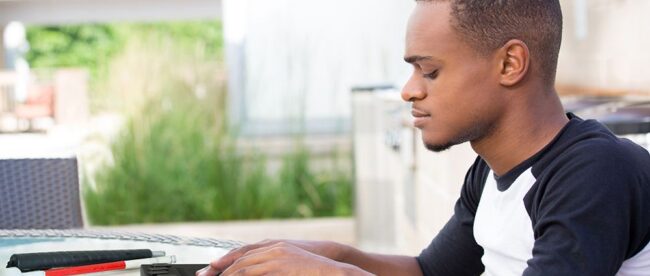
(186, 250)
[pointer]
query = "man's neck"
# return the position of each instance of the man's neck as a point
(522, 132)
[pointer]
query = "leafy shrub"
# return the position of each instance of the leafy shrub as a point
(173, 163)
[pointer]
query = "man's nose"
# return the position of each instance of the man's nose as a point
(412, 91)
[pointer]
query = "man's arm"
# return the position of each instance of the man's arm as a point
(309, 258)
(592, 215)
(454, 251)
(379, 264)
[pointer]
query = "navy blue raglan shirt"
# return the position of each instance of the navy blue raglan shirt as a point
(581, 206)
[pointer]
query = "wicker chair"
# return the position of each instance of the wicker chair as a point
(39, 194)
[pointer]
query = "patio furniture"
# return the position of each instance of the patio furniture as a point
(39, 194)
(39, 104)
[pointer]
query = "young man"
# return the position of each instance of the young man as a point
(549, 194)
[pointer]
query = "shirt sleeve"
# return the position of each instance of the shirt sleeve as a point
(590, 215)
(454, 250)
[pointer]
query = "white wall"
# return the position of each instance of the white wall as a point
(605, 44)
(2, 48)
(298, 59)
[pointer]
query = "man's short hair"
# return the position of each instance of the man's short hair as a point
(488, 24)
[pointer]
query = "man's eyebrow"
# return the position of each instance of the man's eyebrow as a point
(414, 59)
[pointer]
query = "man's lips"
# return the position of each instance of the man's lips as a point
(419, 117)
(418, 113)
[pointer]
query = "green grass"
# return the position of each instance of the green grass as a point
(175, 161)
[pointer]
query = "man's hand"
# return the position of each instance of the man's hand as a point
(281, 258)
(330, 250)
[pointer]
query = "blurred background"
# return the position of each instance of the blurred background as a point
(252, 119)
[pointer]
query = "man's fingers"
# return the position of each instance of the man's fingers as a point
(223, 262)
(227, 260)
(267, 248)
(257, 257)
(259, 269)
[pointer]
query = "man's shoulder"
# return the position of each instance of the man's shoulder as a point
(606, 149)
(590, 147)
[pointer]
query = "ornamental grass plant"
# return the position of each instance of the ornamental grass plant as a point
(176, 157)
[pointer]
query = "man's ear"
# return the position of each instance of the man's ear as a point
(514, 58)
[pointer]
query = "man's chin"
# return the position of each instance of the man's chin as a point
(438, 147)
(440, 142)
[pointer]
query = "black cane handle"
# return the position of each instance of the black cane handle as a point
(46, 260)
